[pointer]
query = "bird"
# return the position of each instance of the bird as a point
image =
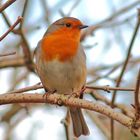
(60, 63)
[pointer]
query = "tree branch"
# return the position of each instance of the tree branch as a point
(67, 101)
(137, 105)
(105, 88)
(124, 67)
(108, 88)
(11, 28)
(7, 54)
(99, 123)
(127, 110)
(6, 4)
(106, 22)
(12, 62)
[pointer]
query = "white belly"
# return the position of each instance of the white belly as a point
(64, 77)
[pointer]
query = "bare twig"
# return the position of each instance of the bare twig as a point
(23, 13)
(14, 109)
(25, 46)
(6, 4)
(6, 19)
(7, 54)
(99, 123)
(121, 11)
(94, 71)
(105, 22)
(73, 7)
(107, 88)
(18, 80)
(27, 53)
(15, 31)
(46, 10)
(125, 109)
(11, 28)
(127, 56)
(117, 65)
(12, 62)
(137, 105)
(125, 65)
(34, 87)
(62, 13)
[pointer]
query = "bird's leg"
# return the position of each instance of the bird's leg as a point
(77, 94)
(48, 92)
(73, 94)
(82, 92)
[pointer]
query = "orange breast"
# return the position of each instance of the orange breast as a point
(59, 47)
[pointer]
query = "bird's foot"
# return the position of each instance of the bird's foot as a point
(48, 93)
(77, 94)
(82, 92)
(72, 94)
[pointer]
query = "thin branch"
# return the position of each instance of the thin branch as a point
(121, 11)
(137, 105)
(13, 110)
(19, 20)
(6, 4)
(125, 65)
(46, 10)
(23, 13)
(127, 56)
(117, 65)
(12, 62)
(73, 7)
(62, 13)
(25, 46)
(108, 89)
(125, 109)
(105, 88)
(5, 17)
(111, 68)
(7, 54)
(18, 80)
(106, 22)
(34, 87)
(27, 53)
(100, 124)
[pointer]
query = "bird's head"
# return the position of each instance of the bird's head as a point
(67, 26)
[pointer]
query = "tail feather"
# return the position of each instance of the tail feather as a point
(79, 124)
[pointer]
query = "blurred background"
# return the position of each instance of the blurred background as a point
(106, 42)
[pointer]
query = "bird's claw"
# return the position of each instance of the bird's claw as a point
(49, 92)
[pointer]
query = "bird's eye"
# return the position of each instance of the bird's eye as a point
(68, 25)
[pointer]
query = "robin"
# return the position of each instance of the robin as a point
(61, 64)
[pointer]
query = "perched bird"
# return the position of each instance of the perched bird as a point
(61, 64)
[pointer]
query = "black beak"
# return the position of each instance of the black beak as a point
(82, 26)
